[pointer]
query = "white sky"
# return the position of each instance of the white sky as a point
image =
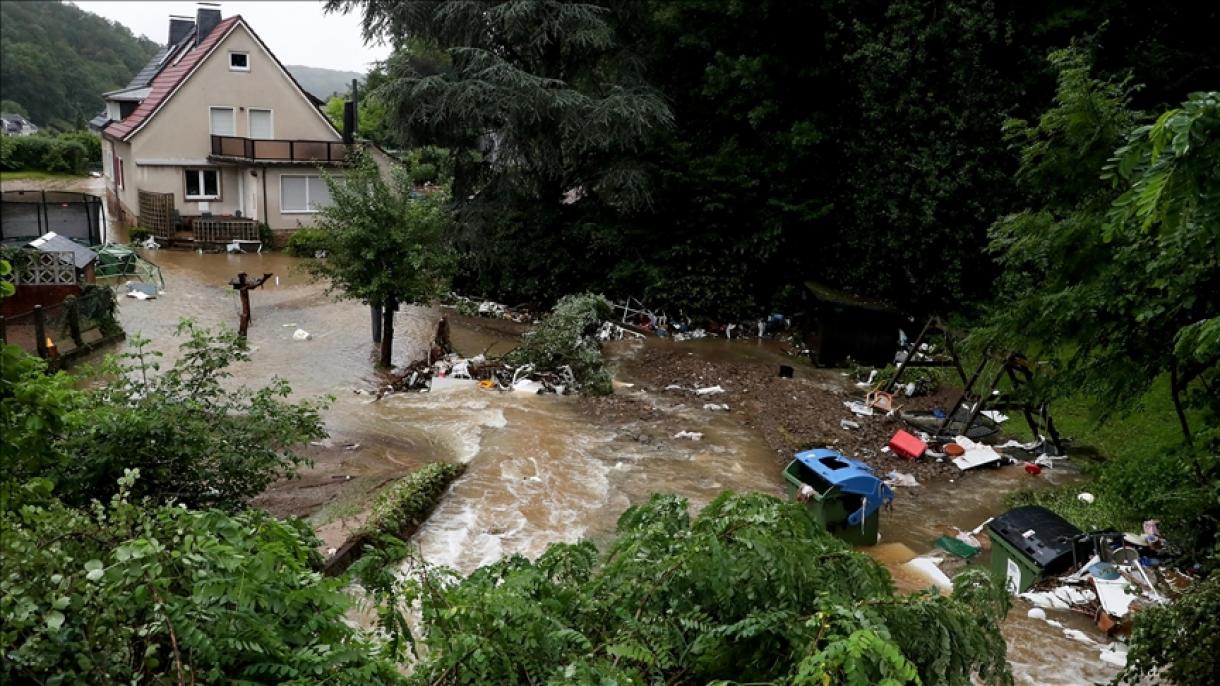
(297, 32)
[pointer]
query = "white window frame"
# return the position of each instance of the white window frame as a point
(201, 171)
(307, 201)
(232, 116)
(239, 52)
(250, 122)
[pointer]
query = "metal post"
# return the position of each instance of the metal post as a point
(74, 321)
(40, 331)
(961, 399)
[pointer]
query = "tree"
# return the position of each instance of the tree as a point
(751, 590)
(133, 591)
(545, 117)
(385, 246)
(1116, 282)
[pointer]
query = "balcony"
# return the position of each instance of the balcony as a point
(234, 148)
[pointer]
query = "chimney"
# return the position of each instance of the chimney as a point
(350, 116)
(207, 16)
(179, 27)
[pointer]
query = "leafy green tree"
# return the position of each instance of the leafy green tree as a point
(1116, 282)
(196, 440)
(385, 246)
(752, 590)
(1159, 645)
(135, 592)
(544, 114)
(58, 59)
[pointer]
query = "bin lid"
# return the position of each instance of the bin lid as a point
(849, 476)
(1043, 536)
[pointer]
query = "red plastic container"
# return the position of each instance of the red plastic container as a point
(907, 446)
(1031, 468)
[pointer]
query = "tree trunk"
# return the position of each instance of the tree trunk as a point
(377, 314)
(387, 333)
(1175, 388)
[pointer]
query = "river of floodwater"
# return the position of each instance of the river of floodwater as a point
(538, 469)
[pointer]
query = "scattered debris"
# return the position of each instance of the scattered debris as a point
(995, 416)
(1086, 498)
(710, 390)
(693, 435)
(301, 335)
(859, 408)
(907, 446)
(716, 407)
(849, 424)
(896, 478)
(975, 455)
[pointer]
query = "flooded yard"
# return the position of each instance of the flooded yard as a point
(539, 468)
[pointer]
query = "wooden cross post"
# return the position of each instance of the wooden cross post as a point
(243, 288)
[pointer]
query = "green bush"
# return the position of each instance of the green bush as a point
(133, 592)
(307, 242)
(423, 173)
(405, 504)
(567, 338)
(8, 145)
(66, 157)
(30, 152)
(92, 143)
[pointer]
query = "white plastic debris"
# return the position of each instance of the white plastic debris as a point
(859, 408)
(1060, 598)
(995, 416)
(1114, 654)
(710, 390)
(150, 243)
(977, 454)
(301, 335)
(139, 295)
(693, 435)
(896, 478)
(716, 407)
(929, 568)
(909, 390)
(848, 424)
(1036, 613)
(1079, 636)
(527, 386)
(674, 387)
(1086, 497)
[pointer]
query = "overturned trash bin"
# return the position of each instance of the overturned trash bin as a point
(841, 493)
(1028, 543)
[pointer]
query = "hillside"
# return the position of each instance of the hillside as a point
(323, 83)
(57, 59)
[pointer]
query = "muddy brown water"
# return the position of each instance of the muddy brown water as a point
(539, 468)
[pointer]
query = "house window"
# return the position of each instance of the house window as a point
(202, 184)
(261, 124)
(301, 193)
(223, 121)
(239, 61)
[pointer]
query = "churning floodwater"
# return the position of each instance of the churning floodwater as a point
(538, 469)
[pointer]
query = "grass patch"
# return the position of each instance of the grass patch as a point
(36, 175)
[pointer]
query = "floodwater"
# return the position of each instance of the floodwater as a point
(539, 468)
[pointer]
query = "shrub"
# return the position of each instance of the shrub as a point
(567, 338)
(139, 593)
(307, 242)
(405, 504)
(66, 157)
(8, 145)
(423, 173)
(92, 143)
(30, 152)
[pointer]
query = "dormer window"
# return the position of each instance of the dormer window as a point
(239, 61)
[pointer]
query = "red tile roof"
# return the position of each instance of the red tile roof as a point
(168, 80)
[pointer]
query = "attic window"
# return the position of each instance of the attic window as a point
(239, 61)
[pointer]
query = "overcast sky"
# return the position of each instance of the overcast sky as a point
(297, 32)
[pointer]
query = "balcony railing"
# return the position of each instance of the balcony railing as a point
(277, 150)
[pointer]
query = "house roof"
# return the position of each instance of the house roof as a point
(53, 242)
(128, 94)
(168, 79)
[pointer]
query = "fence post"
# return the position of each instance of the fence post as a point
(40, 331)
(74, 321)
(3, 331)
